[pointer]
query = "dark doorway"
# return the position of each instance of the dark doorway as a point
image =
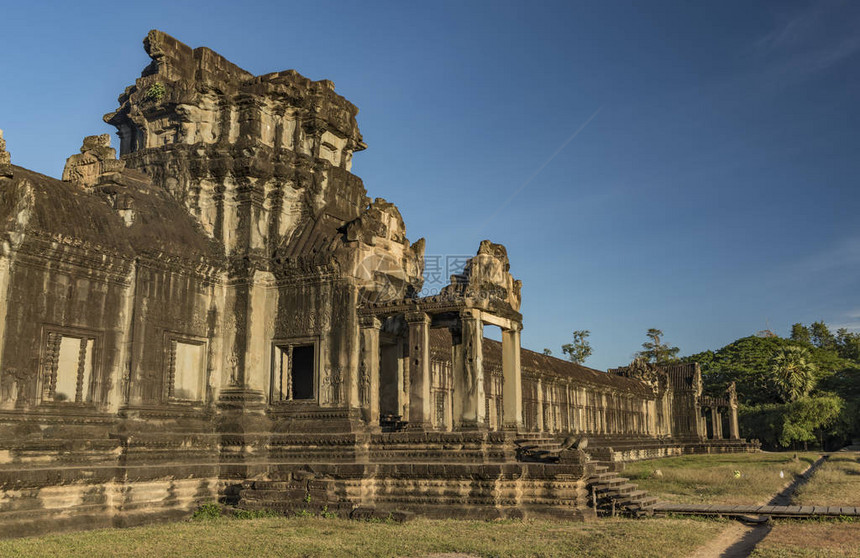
(709, 423)
(725, 423)
(303, 372)
(389, 379)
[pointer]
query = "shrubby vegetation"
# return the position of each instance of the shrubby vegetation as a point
(800, 390)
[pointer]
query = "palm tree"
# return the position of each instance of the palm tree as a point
(793, 373)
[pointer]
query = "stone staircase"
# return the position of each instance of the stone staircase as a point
(612, 494)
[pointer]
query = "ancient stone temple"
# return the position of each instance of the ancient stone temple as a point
(222, 312)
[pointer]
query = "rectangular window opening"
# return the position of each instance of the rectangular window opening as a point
(69, 375)
(188, 363)
(295, 368)
(441, 410)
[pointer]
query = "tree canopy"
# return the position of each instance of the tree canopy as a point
(796, 390)
(655, 350)
(580, 349)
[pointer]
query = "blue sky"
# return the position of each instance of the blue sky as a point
(690, 166)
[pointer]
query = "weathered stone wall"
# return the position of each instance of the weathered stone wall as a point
(487, 491)
(46, 295)
(169, 307)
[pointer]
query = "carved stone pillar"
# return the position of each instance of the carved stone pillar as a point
(715, 423)
(470, 379)
(368, 369)
(420, 405)
(701, 422)
(734, 431)
(718, 426)
(540, 403)
(512, 392)
(458, 370)
(7, 396)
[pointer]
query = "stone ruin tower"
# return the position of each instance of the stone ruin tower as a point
(222, 312)
(263, 165)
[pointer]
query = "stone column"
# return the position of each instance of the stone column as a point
(715, 417)
(458, 372)
(8, 396)
(419, 371)
(512, 391)
(701, 422)
(470, 379)
(549, 417)
(734, 431)
(368, 369)
(718, 430)
(539, 405)
(570, 410)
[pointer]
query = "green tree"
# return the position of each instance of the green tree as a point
(800, 333)
(782, 425)
(848, 344)
(547, 352)
(793, 373)
(821, 335)
(765, 412)
(747, 362)
(580, 349)
(806, 418)
(655, 350)
(846, 384)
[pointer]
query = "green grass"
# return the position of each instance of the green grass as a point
(285, 537)
(711, 479)
(810, 539)
(836, 483)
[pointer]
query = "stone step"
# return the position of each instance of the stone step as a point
(615, 493)
(647, 502)
(612, 484)
(615, 490)
(643, 502)
(630, 497)
(619, 490)
(598, 477)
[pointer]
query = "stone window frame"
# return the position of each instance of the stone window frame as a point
(49, 352)
(276, 387)
(169, 365)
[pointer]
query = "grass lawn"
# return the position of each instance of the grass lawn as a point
(700, 479)
(801, 539)
(340, 537)
(836, 483)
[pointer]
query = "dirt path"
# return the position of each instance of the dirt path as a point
(736, 541)
(739, 539)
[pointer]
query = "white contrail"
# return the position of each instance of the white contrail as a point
(540, 168)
